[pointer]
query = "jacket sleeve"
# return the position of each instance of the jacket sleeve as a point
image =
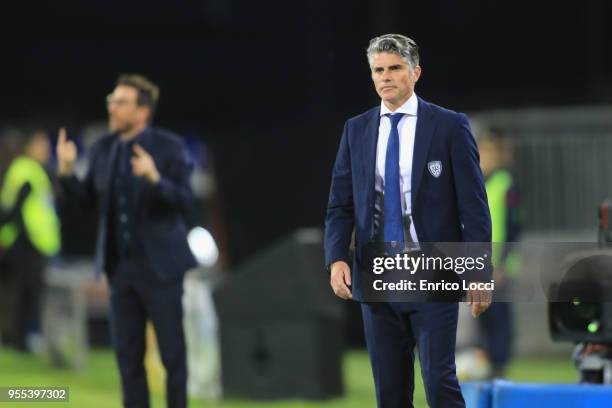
(339, 220)
(82, 192)
(173, 187)
(471, 195)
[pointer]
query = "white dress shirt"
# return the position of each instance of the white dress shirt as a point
(407, 130)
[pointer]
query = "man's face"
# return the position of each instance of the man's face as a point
(39, 148)
(393, 78)
(123, 111)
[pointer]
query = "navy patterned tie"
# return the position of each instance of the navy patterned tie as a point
(393, 225)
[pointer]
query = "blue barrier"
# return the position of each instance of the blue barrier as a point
(477, 394)
(511, 395)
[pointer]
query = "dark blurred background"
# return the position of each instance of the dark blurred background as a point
(267, 85)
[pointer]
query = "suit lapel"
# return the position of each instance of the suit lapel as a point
(369, 159)
(145, 142)
(112, 158)
(369, 151)
(422, 140)
(103, 220)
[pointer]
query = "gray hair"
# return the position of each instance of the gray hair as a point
(398, 44)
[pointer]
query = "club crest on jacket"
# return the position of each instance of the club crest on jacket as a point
(435, 168)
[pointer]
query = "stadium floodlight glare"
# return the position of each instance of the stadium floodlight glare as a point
(203, 246)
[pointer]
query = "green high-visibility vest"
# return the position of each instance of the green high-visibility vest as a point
(38, 213)
(497, 186)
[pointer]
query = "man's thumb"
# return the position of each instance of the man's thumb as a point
(62, 136)
(347, 277)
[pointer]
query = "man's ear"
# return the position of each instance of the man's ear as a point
(417, 73)
(146, 111)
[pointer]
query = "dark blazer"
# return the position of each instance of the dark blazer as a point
(160, 225)
(449, 208)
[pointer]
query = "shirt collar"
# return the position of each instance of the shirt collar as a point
(409, 107)
(137, 139)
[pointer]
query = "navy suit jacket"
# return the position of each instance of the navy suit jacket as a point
(160, 224)
(449, 208)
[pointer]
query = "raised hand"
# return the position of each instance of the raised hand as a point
(66, 153)
(143, 165)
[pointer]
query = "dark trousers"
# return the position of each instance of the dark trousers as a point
(392, 331)
(23, 282)
(136, 296)
(497, 335)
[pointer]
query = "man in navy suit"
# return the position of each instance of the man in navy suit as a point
(406, 172)
(138, 178)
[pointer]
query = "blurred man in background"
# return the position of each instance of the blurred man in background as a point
(29, 238)
(496, 328)
(138, 177)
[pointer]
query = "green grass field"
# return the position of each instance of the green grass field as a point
(98, 385)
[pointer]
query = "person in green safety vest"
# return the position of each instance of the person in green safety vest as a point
(496, 326)
(29, 239)
(7, 294)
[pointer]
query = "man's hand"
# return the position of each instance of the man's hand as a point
(144, 166)
(66, 154)
(340, 279)
(499, 276)
(480, 300)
